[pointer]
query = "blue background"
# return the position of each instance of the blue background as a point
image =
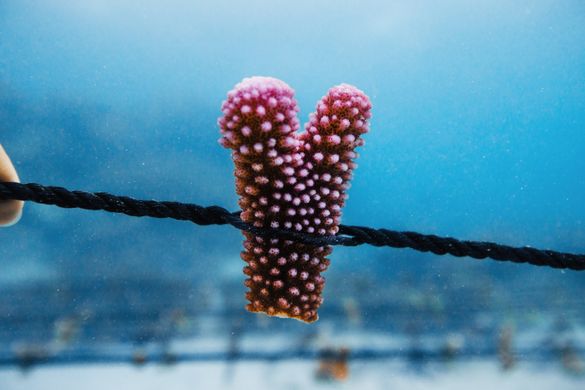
(477, 130)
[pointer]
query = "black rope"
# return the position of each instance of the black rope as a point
(347, 236)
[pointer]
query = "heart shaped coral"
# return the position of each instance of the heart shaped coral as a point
(293, 181)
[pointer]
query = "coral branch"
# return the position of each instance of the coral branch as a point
(292, 181)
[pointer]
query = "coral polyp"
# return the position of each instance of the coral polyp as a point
(290, 180)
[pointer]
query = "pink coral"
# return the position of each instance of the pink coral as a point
(293, 181)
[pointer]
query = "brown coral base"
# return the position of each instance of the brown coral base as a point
(284, 277)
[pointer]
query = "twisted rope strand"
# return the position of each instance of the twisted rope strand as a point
(347, 236)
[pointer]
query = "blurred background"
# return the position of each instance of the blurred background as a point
(478, 132)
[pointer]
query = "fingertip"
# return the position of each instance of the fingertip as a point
(11, 212)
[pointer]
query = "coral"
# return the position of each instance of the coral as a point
(290, 180)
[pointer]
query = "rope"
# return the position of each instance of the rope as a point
(347, 236)
(138, 356)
